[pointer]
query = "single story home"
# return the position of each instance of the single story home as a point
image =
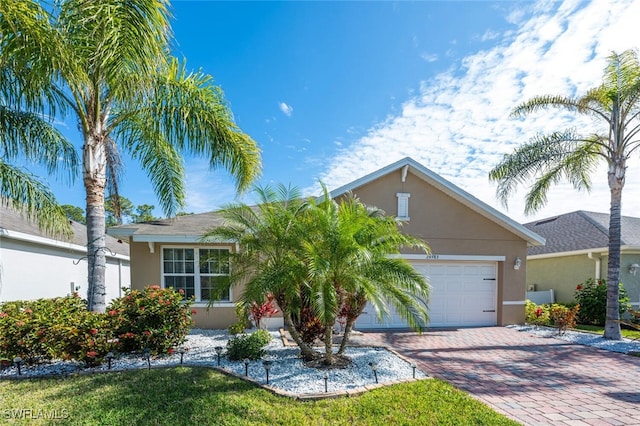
(476, 268)
(577, 249)
(34, 265)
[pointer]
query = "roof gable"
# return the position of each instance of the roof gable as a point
(581, 230)
(449, 189)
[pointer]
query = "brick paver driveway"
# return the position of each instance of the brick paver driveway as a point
(534, 380)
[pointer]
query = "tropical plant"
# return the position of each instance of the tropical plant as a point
(351, 252)
(573, 155)
(317, 257)
(271, 236)
(106, 63)
(25, 134)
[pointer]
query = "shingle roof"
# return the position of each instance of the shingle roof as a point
(190, 226)
(13, 220)
(581, 230)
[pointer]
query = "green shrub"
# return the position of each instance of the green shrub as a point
(62, 328)
(153, 318)
(537, 314)
(59, 328)
(564, 317)
(249, 346)
(591, 295)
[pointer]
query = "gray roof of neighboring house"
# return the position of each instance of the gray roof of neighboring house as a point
(581, 230)
(15, 221)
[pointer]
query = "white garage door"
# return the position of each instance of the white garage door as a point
(463, 294)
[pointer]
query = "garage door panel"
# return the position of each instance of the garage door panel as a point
(462, 294)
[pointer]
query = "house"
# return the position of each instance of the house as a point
(577, 249)
(476, 268)
(34, 265)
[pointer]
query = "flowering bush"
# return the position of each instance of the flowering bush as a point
(537, 314)
(153, 318)
(60, 328)
(592, 297)
(564, 317)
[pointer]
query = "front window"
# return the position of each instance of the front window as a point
(199, 272)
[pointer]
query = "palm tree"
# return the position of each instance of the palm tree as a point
(26, 134)
(269, 262)
(324, 255)
(572, 155)
(349, 254)
(108, 65)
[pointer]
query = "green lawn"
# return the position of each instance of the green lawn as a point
(186, 395)
(631, 334)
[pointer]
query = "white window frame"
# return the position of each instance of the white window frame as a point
(196, 273)
(403, 206)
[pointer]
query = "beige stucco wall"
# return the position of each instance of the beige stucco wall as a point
(563, 274)
(147, 271)
(451, 228)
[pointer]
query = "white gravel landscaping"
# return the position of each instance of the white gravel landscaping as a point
(287, 373)
(582, 338)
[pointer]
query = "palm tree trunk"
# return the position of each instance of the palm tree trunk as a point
(328, 350)
(347, 334)
(616, 182)
(94, 177)
(308, 354)
(352, 316)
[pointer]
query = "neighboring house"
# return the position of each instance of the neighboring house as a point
(476, 268)
(577, 249)
(34, 265)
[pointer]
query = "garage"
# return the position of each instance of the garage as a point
(464, 294)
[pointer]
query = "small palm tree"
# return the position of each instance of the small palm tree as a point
(106, 64)
(572, 155)
(323, 255)
(269, 262)
(25, 134)
(349, 254)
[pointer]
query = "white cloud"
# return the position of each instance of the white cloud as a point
(458, 125)
(429, 57)
(286, 109)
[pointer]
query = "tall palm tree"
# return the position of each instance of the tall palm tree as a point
(269, 262)
(108, 65)
(27, 135)
(572, 155)
(349, 254)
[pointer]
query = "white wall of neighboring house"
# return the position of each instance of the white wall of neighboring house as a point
(34, 267)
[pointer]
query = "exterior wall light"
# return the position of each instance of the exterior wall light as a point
(634, 268)
(517, 263)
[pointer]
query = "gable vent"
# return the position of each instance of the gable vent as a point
(403, 205)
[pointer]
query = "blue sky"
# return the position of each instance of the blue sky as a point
(334, 90)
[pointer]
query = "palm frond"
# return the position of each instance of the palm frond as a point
(28, 135)
(550, 158)
(23, 191)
